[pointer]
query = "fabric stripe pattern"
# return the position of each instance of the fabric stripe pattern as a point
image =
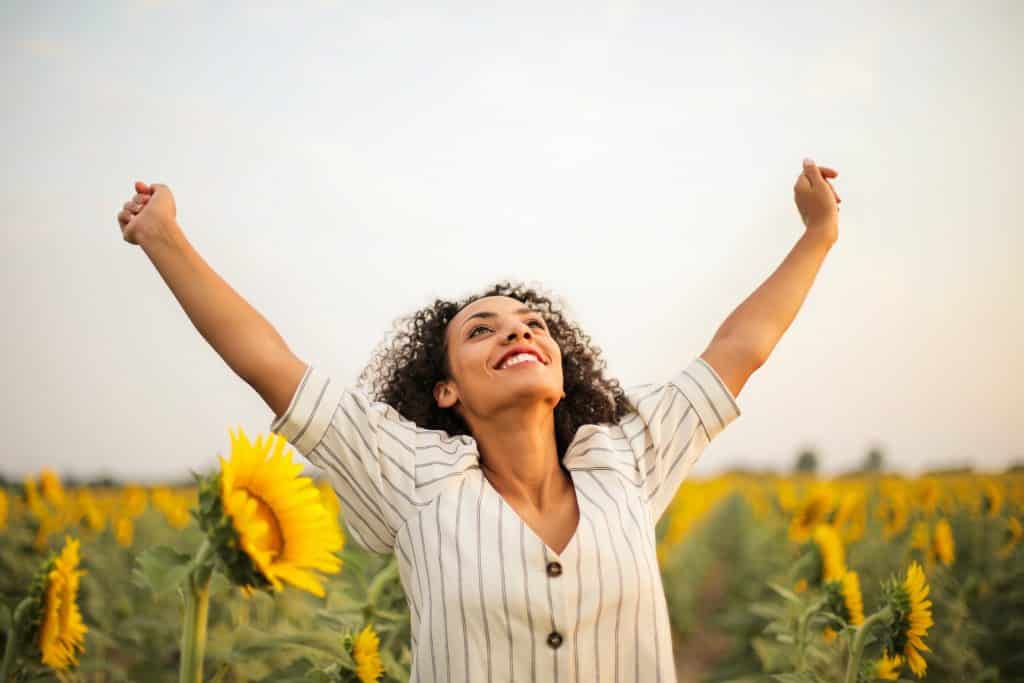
(489, 600)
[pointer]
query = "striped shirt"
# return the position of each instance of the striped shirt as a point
(489, 600)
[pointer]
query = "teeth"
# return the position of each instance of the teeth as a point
(519, 358)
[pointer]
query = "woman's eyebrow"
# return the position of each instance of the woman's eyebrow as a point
(489, 314)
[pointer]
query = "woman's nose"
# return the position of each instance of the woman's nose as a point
(520, 326)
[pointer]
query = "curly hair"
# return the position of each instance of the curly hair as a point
(404, 373)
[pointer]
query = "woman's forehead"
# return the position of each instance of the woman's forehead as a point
(494, 304)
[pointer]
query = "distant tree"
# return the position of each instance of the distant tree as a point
(874, 461)
(807, 462)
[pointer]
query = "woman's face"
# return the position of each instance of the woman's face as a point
(479, 337)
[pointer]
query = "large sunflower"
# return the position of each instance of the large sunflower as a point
(912, 617)
(61, 630)
(268, 523)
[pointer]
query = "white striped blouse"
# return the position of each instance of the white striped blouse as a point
(489, 600)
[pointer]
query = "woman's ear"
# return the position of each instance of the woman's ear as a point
(445, 394)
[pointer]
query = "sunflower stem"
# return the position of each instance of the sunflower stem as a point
(801, 633)
(859, 640)
(14, 635)
(197, 604)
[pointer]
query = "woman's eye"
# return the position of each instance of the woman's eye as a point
(472, 333)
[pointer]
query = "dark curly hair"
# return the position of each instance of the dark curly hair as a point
(404, 374)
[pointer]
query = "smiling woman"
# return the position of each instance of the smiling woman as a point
(521, 499)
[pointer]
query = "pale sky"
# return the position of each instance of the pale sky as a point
(342, 165)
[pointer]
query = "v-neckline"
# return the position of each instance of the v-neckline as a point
(530, 529)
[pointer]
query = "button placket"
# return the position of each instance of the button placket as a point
(554, 570)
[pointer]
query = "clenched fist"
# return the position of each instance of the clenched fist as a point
(816, 200)
(151, 212)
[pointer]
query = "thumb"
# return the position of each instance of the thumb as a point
(812, 172)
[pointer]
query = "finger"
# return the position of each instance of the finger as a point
(812, 172)
(833, 190)
(143, 187)
(828, 172)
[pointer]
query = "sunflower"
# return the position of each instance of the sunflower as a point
(926, 495)
(851, 517)
(365, 648)
(887, 668)
(267, 523)
(173, 506)
(830, 551)
(53, 492)
(942, 542)
(845, 601)
(89, 510)
(1014, 534)
(894, 514)
(124, 531)
(3, 509)
(991, 499)
(810, 514)
(133, 501)
(61, 632)
(32, 499)
(920, 537)
(912, 617)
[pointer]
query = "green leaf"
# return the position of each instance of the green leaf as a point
(802, 677)
(161, 569)
(392, 667)
(253, 643)
(785, 592)
(5, 617)
(768, 610)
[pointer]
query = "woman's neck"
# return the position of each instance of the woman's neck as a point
(519, 456)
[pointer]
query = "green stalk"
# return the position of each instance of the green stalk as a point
(197, 604)
(859, 640)
(801, 631)
(14, 635)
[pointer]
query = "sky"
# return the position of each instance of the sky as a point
(343, 165)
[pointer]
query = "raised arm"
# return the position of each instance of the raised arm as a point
(249, 344)
(747, 337)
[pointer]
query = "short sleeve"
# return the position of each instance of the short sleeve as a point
(371, 467)
(674, 423)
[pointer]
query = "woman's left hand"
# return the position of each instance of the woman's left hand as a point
(817, 200)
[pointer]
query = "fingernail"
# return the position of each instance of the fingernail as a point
(808, 162)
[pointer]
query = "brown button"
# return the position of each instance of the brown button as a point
(554, 639)
(554, 569)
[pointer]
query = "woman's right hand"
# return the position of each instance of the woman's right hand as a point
(151, 212)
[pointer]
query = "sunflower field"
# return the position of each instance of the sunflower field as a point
(247, 575)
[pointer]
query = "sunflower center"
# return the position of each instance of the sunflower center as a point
(273, 540)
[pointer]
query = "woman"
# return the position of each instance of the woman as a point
(518, 487)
